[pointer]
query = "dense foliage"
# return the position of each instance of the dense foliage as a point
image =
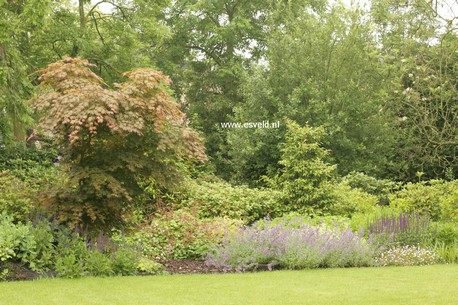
(110, 139)
(305, 176)
(290, 134)
(46, 246)
(220, 199)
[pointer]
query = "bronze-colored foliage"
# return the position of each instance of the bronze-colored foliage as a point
(110, 138)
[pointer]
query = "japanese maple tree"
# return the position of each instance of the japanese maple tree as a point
(110, 138)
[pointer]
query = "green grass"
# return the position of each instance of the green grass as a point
(429, 285)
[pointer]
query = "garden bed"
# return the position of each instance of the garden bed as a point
(20, 272)
(188, 266)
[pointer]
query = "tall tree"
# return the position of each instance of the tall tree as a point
(122, 35)
(211, 42)
(418, 46)
(323, 69)
(20, 21)
(34, 33)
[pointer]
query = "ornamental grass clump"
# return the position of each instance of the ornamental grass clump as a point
(300, 247)
(407, 256)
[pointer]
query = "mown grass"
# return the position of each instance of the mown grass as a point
(366, 286)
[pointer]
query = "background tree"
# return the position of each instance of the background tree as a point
(323, 69)
(210, 46)
(34, 33)
(110, 139)
(121, 36)
(20, 22)
(428, 111)
(347, 69)
(418, 44)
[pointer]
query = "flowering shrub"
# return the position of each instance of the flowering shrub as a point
(405, 229)
(301, 247)
(407, 256)
(179, 234)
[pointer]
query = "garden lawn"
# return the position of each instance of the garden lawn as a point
(366, 286)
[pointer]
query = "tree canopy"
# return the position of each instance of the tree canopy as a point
(380, 80)
(110, 139)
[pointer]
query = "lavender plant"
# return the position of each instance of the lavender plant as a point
(298, 247)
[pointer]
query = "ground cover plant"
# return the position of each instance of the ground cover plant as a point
(356, 286)
(407, 256)
(51, 249)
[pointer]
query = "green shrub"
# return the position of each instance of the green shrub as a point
(380, 188)
(179, 234)
(150, 267)
(33, 245)
(24, 174)
(42, 246)
(305, 177)
(348, 201)
(13, 237)
(15, 196)
(39, 254)
(71, 253)
(69, 266)
(449, 201)
(98, 264)
(20, 159)
(437, 198)
(220, 199)
(446, 233)
(34, 167)
(125, 261)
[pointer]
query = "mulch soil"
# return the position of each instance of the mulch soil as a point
(19, 272)
(188, 266)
